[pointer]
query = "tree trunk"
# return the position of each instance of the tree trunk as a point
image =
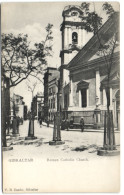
(108, 97)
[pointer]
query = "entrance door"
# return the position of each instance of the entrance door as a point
(84, 97)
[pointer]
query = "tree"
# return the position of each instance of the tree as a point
(92, 21)
(19, 60)
(31, 87)
(106, 49)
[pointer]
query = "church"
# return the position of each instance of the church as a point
(83, 71)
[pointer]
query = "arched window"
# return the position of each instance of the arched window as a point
(74, 37)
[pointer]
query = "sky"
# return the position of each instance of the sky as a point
(31, 19)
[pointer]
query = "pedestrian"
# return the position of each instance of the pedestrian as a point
(67, 124)
(82, 124)
(18, 122)
(40, 122)
(15, 131)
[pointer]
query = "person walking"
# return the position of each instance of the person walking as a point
(67, 124)
(40, 122)
(18, 122)
(82, 124)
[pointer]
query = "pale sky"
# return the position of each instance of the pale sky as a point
(31, 19)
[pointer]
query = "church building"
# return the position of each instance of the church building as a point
(83, 72)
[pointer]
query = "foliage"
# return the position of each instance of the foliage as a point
(108, 8)
(106, 48)
(92, 21)
(19, 60)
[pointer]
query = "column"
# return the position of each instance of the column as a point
(97, 87)
(114, 113)
(80, 103)
(87, 97)
(97, 111)
(37, 110)
(104, 98)
(65, 37)
(70, 36)
(71, 93)
(79, 38)
(110, 97)
(82, 37)
(118, 113)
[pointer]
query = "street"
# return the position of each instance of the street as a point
(36, 166)
(77, 144)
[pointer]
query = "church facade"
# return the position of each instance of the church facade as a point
(83, 71)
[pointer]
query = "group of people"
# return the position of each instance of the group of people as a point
(66, 124)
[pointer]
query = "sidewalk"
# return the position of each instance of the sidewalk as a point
(85, 130)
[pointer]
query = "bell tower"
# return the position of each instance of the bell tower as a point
(73, 37)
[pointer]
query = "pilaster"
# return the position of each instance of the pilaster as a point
(71, 93)
(80, 98)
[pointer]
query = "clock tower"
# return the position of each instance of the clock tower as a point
(73, 39)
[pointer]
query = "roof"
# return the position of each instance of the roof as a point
(92, 46)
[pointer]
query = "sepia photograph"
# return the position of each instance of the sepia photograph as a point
(60, 96)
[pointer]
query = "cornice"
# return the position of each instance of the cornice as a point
(71, 23)
(93, 64)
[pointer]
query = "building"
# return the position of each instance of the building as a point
(83, 78)
(51, 78)
(16, 106)
(73, 39)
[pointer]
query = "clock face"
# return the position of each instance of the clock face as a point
(74, 13)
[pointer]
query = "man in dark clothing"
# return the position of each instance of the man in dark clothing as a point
(40, 122)
(82, 124)
(18, 121)
(67, 124)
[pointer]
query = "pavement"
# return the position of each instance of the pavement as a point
(36, 165)
(86, 130)
(77, 144)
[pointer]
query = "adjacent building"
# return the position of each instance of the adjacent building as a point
(17, 106)
(51, 81)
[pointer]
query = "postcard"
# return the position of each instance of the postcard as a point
(60, 93)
